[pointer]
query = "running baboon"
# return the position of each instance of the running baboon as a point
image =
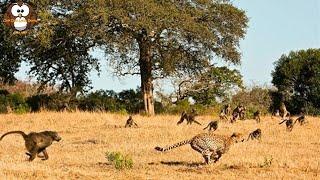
(211, 146)
(256, 116)
(189, 117)
(301, 120)
(283, 111)
(37, 142)
(255, 135)
(212, 125)
(130, 123)
(289, 124)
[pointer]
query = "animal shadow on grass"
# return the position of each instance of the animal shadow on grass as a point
(182, 163)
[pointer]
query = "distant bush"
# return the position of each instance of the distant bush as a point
(119, 161)
(13, 102)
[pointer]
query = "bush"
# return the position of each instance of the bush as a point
(15, 102)
(119, 161)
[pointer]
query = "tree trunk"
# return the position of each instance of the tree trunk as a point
(145, 64)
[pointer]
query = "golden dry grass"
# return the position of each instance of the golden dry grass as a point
(88, 136)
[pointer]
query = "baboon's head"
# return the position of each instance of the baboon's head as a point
(258, 130)
(237, 137)
(54, 135)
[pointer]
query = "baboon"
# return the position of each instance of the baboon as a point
(37, 142)
(223, 115)
(301, 120)
(237, 113)
(227, 109)
(256, 134)
(130, 123)
(275, 113)
(235, 116)
(212, 125)
(189, 117)
(242, 113)
(256, 116)
(210, 145)
(283, 111)
(289, 124)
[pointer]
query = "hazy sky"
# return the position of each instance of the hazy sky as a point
(276, 27)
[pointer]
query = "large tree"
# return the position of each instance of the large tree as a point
(9, 50)
(157, 39)
(297, 77)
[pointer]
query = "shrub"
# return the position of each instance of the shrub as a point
(119, 161)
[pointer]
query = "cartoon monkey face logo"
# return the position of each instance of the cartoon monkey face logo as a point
(20, 16)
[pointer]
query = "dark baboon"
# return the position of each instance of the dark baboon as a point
(237, 113)
(289, 124)
(130, 123)
(301, 120)
(256, 116)
(283, 111)
(255, 135)
(275, 113)
(36, 142)
(213, 125)
(242, 113)
(189, 117)
(211, 146)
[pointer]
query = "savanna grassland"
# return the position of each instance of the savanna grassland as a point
(88, 136)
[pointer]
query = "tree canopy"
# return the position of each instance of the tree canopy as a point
(154, 39)
(297, 77)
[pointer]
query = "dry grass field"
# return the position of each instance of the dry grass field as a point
(88, 136)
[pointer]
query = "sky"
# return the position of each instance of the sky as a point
(276, 27)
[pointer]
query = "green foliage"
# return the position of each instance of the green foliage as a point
(15, 102)
(297, 77)
(119, 161)
(9, 51)
(101, 101)
(208, 86)
(256, 98)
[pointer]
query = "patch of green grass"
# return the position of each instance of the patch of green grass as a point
(119, 160)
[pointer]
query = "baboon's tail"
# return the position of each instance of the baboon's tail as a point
(173, 146)
(197, 122)
(284, 120)
(14, 132)
(249, 136)
(206, 127)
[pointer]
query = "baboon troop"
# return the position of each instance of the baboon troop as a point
(130, 122)
(213, 125)
(256, 134)
(37, 142)
(289, 124)
(210, 146)
(256, 116)
(190, 118)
